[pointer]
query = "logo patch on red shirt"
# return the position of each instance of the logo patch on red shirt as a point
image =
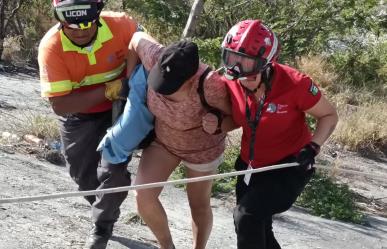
(313, 89)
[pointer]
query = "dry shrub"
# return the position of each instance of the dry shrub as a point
(320, 71)
(42, 126)
(113, 5)
(363, 128)
(12, 47)
(349, 95)
(30, 122)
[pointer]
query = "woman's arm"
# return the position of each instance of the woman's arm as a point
(146, 48)
(210, 123)
(326, 115)
(217, 95)
(131, 62)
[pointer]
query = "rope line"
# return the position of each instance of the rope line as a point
(162, 184)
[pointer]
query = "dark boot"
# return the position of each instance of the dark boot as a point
(90, 199)
(99, 237)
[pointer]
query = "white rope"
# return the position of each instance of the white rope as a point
(162, 184)
(142, 186)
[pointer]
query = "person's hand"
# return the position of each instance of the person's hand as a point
(306, 156)
(117, 89)
(210, 123)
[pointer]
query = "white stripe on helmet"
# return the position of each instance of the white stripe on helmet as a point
(273, 49)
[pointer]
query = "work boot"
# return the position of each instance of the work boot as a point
(99, 237)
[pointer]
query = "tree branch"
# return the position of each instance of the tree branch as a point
(13, 12)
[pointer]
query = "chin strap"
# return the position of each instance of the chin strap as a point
(267, 76)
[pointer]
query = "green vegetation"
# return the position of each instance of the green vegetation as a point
(363, 66)
(325, 198)
(209, 51)
(224, 185)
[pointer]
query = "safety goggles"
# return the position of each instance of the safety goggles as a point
(240, 66)
(79, 26)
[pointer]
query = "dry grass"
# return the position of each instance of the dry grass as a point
(347, 95)
(363, 128)
(33, 123)
(12, 47)
(362, 125)
(42, 126)
(113, 5)
(320, 71)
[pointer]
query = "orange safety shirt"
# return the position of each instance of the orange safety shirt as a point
(66, 68)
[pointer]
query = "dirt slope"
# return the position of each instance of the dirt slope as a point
(64, 223)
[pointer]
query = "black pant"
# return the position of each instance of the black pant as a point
(81, 134)
(268, 193)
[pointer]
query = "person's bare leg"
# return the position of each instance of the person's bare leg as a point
(199, 194)
(156, 165)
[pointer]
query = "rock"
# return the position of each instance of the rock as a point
(33, 139)
(10, 137)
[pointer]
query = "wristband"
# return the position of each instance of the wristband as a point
(315, 147)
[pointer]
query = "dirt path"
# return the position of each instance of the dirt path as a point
(64, 223)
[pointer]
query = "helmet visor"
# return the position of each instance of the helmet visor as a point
(241, 65)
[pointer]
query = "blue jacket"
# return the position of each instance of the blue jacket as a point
(133, 125)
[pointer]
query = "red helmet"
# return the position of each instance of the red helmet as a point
(248, 48)
(77, 12)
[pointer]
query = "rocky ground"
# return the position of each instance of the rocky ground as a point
(64, 223)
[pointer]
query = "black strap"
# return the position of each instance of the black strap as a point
(204, 102)
(267, 77)
(201, 89)
(253, 123)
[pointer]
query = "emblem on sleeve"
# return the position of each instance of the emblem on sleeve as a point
(140, 28)
(313, 89)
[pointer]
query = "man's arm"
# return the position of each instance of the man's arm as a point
(78, 101)
(58, 88)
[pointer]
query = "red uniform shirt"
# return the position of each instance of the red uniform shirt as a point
(282, 130)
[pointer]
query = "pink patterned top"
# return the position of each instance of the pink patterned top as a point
(178, 125)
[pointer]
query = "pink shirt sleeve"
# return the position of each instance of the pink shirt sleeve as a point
(149, 53)
(216, 91)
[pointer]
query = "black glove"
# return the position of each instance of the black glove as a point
(306, 156)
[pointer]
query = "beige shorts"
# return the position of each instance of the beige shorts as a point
(205, 167)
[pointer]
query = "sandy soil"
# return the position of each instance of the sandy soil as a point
(64, 223)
